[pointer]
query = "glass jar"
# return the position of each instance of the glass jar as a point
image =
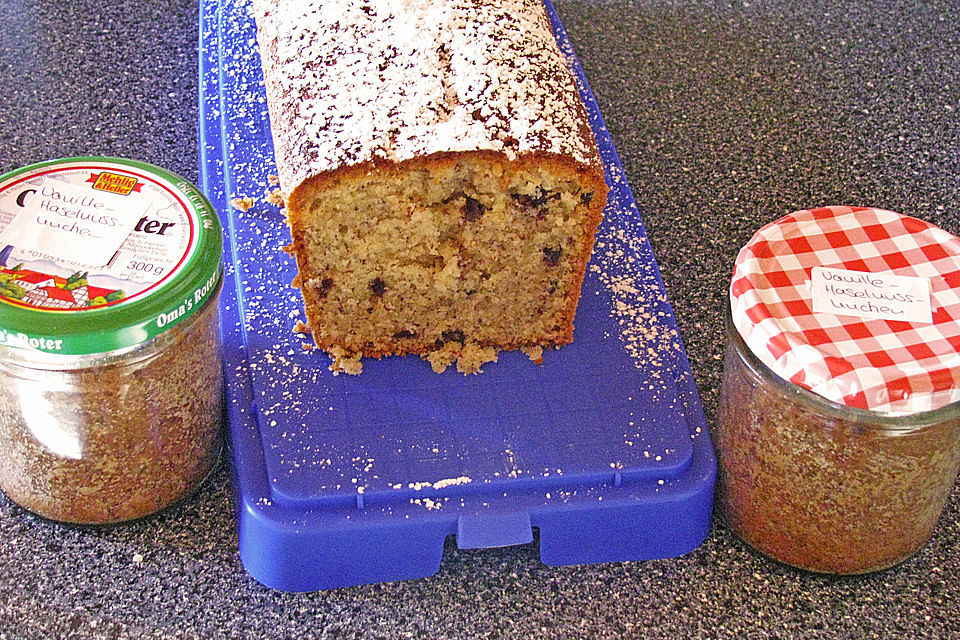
(110, 370)
(838, 440)
(822, 486)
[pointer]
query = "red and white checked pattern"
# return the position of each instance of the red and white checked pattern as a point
(888, 366)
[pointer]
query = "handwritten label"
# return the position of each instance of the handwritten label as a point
(77, 225)
(871, 295)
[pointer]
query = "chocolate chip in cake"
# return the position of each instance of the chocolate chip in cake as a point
(325, 285)
(378, 286)
(453, 336)
(551, 256)
(450, 336)
(404, 334)
(537, 200)
(472, 209)
(585, 198)
(523, 199)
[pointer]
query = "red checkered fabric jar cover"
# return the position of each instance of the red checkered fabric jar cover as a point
(888, 366)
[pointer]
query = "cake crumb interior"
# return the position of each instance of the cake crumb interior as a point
(456, 258)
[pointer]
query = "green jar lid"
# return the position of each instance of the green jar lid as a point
(100, 254)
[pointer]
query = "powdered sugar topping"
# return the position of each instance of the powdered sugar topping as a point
(391, 80)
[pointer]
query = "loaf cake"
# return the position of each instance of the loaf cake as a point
(442, 184)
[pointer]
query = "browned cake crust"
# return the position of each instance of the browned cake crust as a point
(461, 115)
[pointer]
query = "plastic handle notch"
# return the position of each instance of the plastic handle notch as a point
(501, 530)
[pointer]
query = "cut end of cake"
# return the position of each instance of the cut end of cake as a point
(452, 259)
(469, 357)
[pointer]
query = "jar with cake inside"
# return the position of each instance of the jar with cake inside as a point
(110, 374)
(822, 486)
(110, 437)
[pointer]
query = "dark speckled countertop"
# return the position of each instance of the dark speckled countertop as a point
(726, 116)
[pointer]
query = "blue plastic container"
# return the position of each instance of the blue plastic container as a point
(345, 480)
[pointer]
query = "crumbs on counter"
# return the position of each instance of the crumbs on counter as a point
(243, 204)
(301, 327)
(275, 197)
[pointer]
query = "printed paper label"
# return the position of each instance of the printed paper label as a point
(80, 226)
(871, 295)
